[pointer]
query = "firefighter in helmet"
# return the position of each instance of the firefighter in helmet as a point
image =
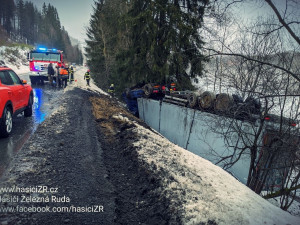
(87, 77)
(71, 73)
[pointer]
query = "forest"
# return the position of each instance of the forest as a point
(22, 22)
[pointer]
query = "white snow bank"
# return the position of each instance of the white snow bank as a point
(202, 190)
(15, 58)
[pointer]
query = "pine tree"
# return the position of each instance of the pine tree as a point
(7, 10)
(28, 21)
(106, 37)
(146, 41)
(165, 41)
(94, 49)
(21, 16)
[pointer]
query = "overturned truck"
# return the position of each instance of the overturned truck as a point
(224, 129)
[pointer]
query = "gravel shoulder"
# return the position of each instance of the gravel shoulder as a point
(139, 195)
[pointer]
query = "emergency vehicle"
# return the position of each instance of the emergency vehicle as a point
(39, 59)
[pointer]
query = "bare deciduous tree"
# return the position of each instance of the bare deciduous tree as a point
(260, 62)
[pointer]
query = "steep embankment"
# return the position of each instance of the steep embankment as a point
(197, 192)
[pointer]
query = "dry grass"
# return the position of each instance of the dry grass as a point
(104, 109)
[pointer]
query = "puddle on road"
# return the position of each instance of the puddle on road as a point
(46, 99)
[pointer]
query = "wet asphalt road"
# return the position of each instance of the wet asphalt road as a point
(46, 99)
(90, 164)
(64, 154)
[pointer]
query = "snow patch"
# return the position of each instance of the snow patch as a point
(15, 58)
(122, 118)
(202, 190)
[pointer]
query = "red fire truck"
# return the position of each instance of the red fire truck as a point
(39, 59)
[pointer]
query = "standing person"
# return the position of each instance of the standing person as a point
(58, 79)
(50, 73)
(56, 75)
(63, 76)
(87, 77)
(71, 72)
(111, 90)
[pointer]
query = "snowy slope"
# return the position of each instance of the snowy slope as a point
(15, 58)
(204, 192)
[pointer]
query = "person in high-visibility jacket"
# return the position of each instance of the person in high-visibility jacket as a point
(87, 77)
(64, 75)
(111, 90)
(71, 73)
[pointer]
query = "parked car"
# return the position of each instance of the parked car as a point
(16, 96)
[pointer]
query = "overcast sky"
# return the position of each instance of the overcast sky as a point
(74, 15)
(252, 9)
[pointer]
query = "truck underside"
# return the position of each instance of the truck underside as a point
(38, 79)
(215, 126)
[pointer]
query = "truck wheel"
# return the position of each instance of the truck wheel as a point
(237, 99)
(223, 102)
(192, 100)
(41, 81)
(206, 100)
(6, 122)
(28, 110)
(253, 105)
(32, 80)
(148, 89)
